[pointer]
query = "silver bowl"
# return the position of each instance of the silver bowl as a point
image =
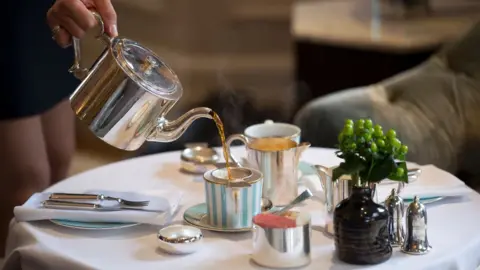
(180, 239)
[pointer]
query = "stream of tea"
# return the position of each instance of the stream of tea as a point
(221, 132)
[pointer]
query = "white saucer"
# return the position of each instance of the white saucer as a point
(197, 216)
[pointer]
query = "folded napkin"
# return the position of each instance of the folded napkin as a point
(164, 202)
(432, 182)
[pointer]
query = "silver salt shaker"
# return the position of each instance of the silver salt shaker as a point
(416, 241)
(396, 208)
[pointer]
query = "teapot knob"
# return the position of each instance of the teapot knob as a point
(268, 121)
(149, 65)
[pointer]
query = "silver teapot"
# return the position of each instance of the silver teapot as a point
(125, 96)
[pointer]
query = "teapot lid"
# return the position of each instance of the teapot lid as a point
(145, 68)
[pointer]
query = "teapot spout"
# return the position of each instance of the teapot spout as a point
(169, 131)
(323, 173)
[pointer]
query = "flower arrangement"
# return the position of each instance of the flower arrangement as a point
(369, 155)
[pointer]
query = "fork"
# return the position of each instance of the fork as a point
(100, 197)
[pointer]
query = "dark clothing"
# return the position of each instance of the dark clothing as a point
(35, 69)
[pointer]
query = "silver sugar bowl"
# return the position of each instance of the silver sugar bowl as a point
(396, 208)
(198, 158)
(283, 247)
(416, 240)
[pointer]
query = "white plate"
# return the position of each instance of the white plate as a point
(425, 200)
(197, 216)
(92, 225)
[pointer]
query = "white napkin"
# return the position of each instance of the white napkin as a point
(164, 202)
(432, 182)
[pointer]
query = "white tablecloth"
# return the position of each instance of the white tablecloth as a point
(453, 229)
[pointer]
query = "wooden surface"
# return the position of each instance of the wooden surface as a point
(367, 24)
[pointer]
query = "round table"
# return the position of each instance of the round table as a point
(453, 229)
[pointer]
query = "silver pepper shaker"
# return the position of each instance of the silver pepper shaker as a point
(396, 208)
(416, 241)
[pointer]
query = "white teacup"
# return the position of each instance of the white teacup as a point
(270, 129)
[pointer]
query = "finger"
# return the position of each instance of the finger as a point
(71, 26)
(62, 37)
(106, 10)
(60, 12)
(80, 14)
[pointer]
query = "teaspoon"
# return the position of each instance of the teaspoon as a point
(299, 199)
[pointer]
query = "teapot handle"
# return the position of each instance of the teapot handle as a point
(76, 69)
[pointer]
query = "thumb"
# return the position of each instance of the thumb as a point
(109, 16)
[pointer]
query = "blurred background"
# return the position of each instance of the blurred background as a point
(252, 60)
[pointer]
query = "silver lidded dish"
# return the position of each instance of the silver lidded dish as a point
(198, 158)
(179, 239)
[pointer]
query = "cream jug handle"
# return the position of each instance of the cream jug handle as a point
(76, 69)
(230, 139)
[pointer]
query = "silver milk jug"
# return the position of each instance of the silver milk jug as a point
(279, 168)
(334, 191)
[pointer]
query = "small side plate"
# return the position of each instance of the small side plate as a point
(197, 216)
(425, 200)
(92, 225)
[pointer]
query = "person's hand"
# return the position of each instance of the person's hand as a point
(69, 18)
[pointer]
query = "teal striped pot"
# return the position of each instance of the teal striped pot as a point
(233, 207)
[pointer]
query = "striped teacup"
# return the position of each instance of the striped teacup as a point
(232, 206)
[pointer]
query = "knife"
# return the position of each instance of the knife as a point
(100, 197)
(68, 205)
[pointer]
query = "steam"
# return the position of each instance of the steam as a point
(240, 107)
(231, 107)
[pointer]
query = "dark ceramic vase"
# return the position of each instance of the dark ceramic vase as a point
(361, 229)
